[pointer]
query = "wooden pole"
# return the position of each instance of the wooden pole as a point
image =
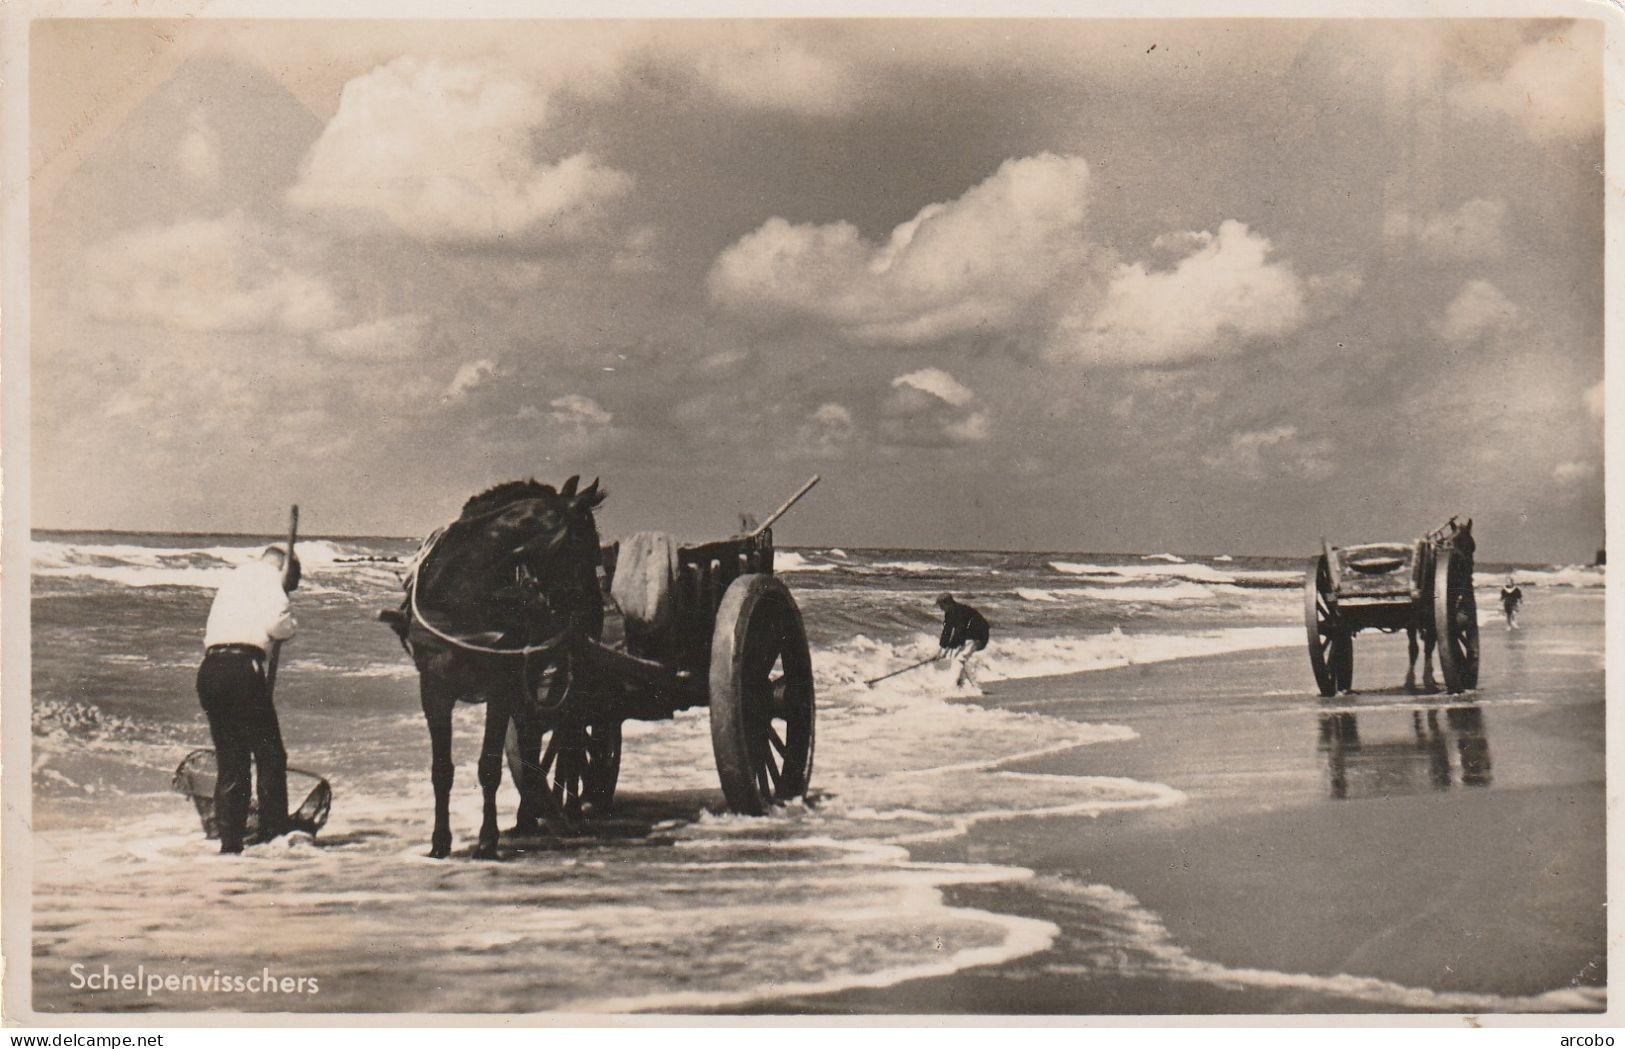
(780, 512)
(911, 666)
(287, 577)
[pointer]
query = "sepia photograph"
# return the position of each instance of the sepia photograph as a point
(933, 517)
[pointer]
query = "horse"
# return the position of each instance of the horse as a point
(496, 607)
(1422, 622)
(1419, 625)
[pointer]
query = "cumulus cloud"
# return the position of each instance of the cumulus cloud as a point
(1169, 248)
(1012, 258)
(1474, 230)
(826, 431)
(763, 69)
(1223, 293)
(1478, 310)
(931, 408)
(385, 339)
(571, 424)
(447, 152)
(577, 411)
(977, 262)
(937, 383)
(224, 274)
(470, 375)
(1574, 472)
(1551, 88)
(1275, 452)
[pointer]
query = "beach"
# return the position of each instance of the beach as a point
(1148, 809)
(1462, 869)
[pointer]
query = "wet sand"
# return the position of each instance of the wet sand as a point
(1336, 856)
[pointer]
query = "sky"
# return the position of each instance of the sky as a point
(1221, 286)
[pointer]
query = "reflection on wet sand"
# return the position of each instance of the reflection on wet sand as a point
(1407, 762)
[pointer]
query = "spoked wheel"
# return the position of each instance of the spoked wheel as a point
(1331, 648)
(1455, 620)
(762, 703)
(579, 765)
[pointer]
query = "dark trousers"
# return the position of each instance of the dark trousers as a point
(231, 687)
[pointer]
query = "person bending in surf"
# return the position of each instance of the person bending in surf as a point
(250, 610)
(1511, 598)
(964, 634)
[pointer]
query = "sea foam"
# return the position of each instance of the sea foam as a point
(1195, 573)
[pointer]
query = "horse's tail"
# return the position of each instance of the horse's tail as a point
(400, 621)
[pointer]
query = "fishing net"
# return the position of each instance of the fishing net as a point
(195, 777)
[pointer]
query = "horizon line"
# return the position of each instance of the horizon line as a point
(817, 546)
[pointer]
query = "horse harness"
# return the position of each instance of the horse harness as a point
(559, 689)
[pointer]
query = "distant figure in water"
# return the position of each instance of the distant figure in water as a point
(250, 610)
(964, 634)
(1511, 598)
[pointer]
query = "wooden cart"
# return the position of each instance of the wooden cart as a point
(735, 644)
(1425, 586)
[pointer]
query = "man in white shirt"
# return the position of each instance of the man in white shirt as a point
(250, 610)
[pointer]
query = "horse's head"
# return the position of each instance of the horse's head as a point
(520, 562)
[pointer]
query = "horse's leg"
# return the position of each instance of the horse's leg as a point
(1410, 672)
(528, 731)
(498, 710)
(437, 703)
(1428, 683)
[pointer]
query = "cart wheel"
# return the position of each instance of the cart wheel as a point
(1331, 651)
(580, 765)
(762, 705)
(1455, 622)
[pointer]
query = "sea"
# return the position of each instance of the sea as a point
(671, 905)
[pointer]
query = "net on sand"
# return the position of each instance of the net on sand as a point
(195, 778)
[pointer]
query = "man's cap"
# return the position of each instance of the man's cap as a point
(945, 600)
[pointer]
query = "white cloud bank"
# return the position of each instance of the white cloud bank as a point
(1225, 292)
(448, 152)
(1012, 257)
(975, 263)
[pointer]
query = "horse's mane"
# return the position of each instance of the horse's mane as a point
(505, 493)
(454, 572)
